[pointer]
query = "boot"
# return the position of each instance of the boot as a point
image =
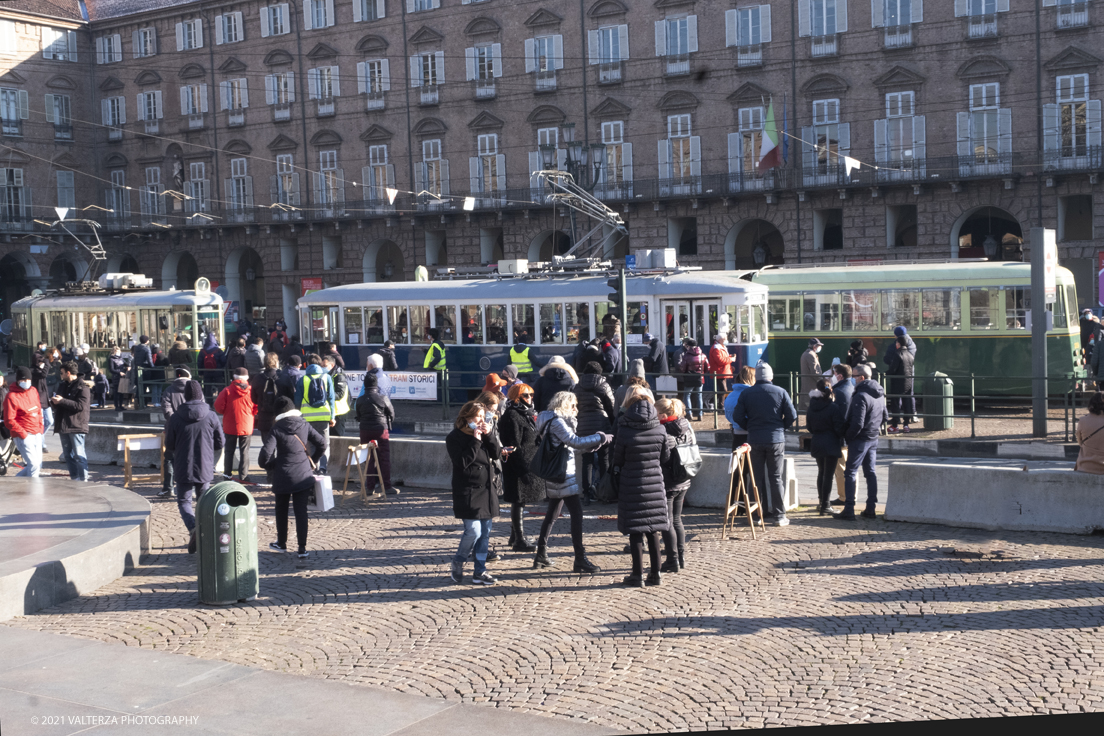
(670, 565)
(541, 559)
(582, 564)
(518, 542)
(682, 558)
(653, 578)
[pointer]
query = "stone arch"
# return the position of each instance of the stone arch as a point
(744, 236)
(122, 263)
(548, 243)
(242, 264)
(971, 229)
(377, 256)
(179, 271)
(19, 275)
(66, 268)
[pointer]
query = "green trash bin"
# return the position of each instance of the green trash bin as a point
(938, 401)
(226, 545)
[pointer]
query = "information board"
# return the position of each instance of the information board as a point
(405, 386)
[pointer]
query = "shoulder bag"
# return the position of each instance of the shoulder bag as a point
(320, 497)
(686, 460)
(550, 462)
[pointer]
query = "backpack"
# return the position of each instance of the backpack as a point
(686, 461)
(210, 360)
(269, 394)
(316, 392)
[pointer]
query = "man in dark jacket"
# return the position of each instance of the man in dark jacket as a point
(194, 437)
(254, 356)
(264, 390)
(143, 361)
(611, 359)
(72, 409)
(901, 369)
(596, 414)
(766, 412)
(235, 356)
(843, 388)
(374, 415)
(171, 399)
(387, 352)
(40, 377)
(291, 376)
(656, 359)
(865, 418)
(117, 366)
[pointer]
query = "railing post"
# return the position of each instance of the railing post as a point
(1066, 408)
(716, 400)
(444, 395)
(140, 400)
(973, 408)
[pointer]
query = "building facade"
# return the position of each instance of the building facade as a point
(263, 143)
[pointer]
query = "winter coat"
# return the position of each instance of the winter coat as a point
(254, 359)
(730, 406)
(194, 438)
(265, 417)
(548, 385)
(374, 411)
(810, 374)
(74, 411)
(855, 358)
(389, 362)
(23, 412)
(287, 453)
(341, 384)
(842, 393)
(680, 433)
(143, 356)
(611, 358)
(474, 467)
(641, 448)
(518, 429)
(656, 359)
(825, 420)
(290, 378)
(313, 372)
(235, 358)
(901, 371)
(891, 349)
(172, 398)
(338, 360)
(563, 433)
(766, 412)
(40, 381)
(720, 361)
(867, 412)
(179, 354)
(595, 399)
(694, 361)
(84, 368)
(383, 383)
(295, 348)
(1090, 459)
(235, 404)
(117, 366)
(589, 354)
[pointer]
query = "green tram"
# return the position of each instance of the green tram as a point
(966, 318)
(115, 313)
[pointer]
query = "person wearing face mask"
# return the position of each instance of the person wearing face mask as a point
(518, 429)
(342, 405)
(117, 367)
(810, 372)
(235, 404)
(375, 414)
(23, 418)
(73, 406)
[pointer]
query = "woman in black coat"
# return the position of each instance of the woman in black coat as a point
(375, 415)
(289, 455)
(555, 376)
(672, 415)
(641, 448)
(518, 429)
(857, 354)
(596, 414)
(475, 453)
(825, 420)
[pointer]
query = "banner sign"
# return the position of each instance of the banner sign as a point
(406, 386)
(309, 284)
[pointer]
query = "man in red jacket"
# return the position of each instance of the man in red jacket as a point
(23, 417)
(235, 404)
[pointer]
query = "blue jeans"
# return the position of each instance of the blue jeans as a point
(865, 454)
(686, 400)
(477, 533)
(72, 449)
(187, 495)
(47, 420)
(30, 447)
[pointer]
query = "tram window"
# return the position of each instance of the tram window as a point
(737, 323)
(1017, 302)
(942, 309)
(860, 311)
(397, 327)
(900, 309)
(759, 323)
(471, 324)
(373, 325)
(821, 312)
(981, 313)
(19, 327)
(496, 325)
(551, 324)
(524, 323)
(97, 330)
(208, 324)
(444, 317)
(578, 322)
(59, 329)
(319, 324)
(184, 327)
(419, 323)
(676, 318)
(1066, 296)
(784, 313)
(638, 319)
(354, 326)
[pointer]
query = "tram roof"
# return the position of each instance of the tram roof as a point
(476, 291)
(890, 274)
(106, 302)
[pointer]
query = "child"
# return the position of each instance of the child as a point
(100, 388)
(672, 415)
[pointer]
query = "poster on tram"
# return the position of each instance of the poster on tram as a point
(405, 386)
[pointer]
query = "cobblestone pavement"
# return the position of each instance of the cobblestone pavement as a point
(818, 623)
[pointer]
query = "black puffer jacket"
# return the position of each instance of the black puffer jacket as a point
(374, 411)
(194, 436)
(656, 359)
(235, 358)
(551, 383)
(825, 420)
(473, 474)
(518, 429)
(640, 449)
(266, 405)
(867, 412)
(72, 413)
(680, 433)
(285, 454)
(901, 368)
(595, 398)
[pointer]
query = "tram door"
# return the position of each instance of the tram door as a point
(706, 315)
(676, 321)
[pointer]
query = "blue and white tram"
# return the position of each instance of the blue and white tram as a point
(480, 319)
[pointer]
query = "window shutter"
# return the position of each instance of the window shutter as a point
(136, 44)
(220, 36)
(626, 162)
(661, 37)
(105, 112)
(475, 173)
(962, 7)
(695, 155)
(804, 18)
(764, 24)
(239, 26)
(313, 92)
(266, 30)
(918, 11)
(307, 20)
(185, 101)
(117, 47)
(440, 56)
(244, 92)
(410, 6)
(841, 16)
(1052, 128)
(1002, 6)
(877, 13)
(557, 52)
(24, 106)
(735, 152)
(534, 167)
(179, 38)
(496, 59)
(225, 95)
(1004, 130)
(731, 28)
(435, 4)
(1092, 126)
(51, 114)
(469, 63)
(380, 8)
(419, 177)
(530, 55)
(270, 89)
(198, 33)
(500, 164)
(963, 130)
(919, 139)
(445, 187)
(100, 49)
(385, 74)
(157, 104)
(663, 158)
(366, 181)
(592, 46)
(293, 195)
(623, 41)
(808, 150)
(329, 13)
(844, 141)
(390, 172)
(881, 146)
(249, 192)
(1049, 3)
(72, 41)
(415, 71)
(358, 12)
(692, 33)
(122, 110)
(362, 77)
(203, 98)
(561, 159)
(335, 76)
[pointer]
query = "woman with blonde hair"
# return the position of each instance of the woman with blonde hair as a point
(560, 419)
(672, 416)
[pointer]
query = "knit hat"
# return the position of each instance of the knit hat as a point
(511, 372)
(192, 391)
(182, 372)
(763, 372)
(370, 380)
(636, 368)
(284, 405)
(241, 372)
(900, 330)
(22, 373)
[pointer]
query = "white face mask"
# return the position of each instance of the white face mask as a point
(24, 385)
(817, 349)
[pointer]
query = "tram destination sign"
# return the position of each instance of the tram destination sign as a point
(407, 386)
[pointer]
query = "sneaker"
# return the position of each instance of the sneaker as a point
(277, 547)
(892, 430)
(484, 579)
(779, 520)
(303, 554)
(838, 502)
(392, 492)
(906, 429)
(457, 572)
(493, 555)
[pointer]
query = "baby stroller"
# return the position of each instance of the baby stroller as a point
(8, 451)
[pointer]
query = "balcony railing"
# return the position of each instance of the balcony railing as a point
(985, 164)
(236, 118)
(63, 132)
(429, 94)
(281, 112)
(678, 64)
(680, 187)
(609, 72)
(484, 89)
(902, 170)
(115, 134)
(546, 81)
(830, 173)
(750, 181)
(620, 191)
(1073, 16)
(898, 37)
(11, 128)
(1074, 158)
(375, 101)
(152, 127)
(326, 107)
(983, 26)
(749, 55)
(825, 45)
(195, 121)
(239, 214)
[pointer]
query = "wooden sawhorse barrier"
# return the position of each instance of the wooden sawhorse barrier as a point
(740, 477)
(128, 442)
(358, 456)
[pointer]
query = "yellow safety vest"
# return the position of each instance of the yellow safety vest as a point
(311, 413)
(341, 406)
(431, 363)
(521, 360)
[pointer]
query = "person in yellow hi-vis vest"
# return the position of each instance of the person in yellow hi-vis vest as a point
(314, 395)
(435, 355)
(519, 358)
(342, 405)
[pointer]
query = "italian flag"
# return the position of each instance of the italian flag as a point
(770, 153)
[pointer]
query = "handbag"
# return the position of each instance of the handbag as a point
(686, 461)
(124, 385)
(550, 462)
(319, 498)
(609, 486)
